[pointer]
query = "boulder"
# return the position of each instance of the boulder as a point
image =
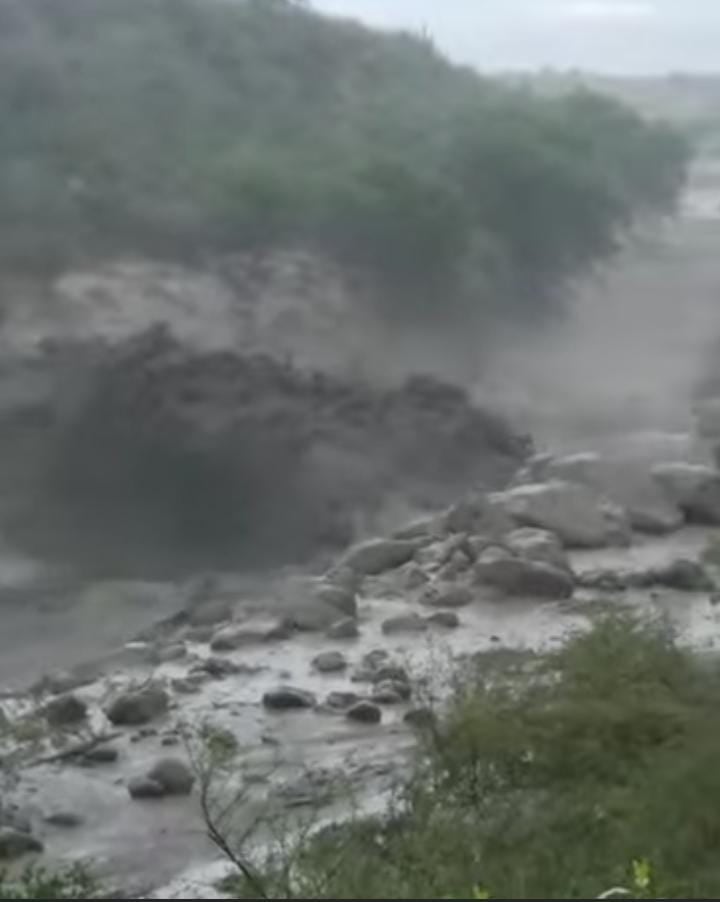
(458, 564)
(330, 662)
(404, 623)
(628, 483)
(537, 545)
(446, 619)
(215, 667)
(173, 775)
(694, 488)
(415, 577)
(578, 515)
(287, 698)
(376, 658)
(346, 628)
(377, 556)
(138, 707)
(681, 574)
(66, 819)
(392, 673)
(446, 595)
(479, 514)
(391, 692)
(312, 616)
(231, 638)
(15, 843)
(342, 700)
(439, 554)
(365, 712)
(145, 788)
(512, 575)
(65, 711)
(280, 630)
(189, 685)
(422, 528)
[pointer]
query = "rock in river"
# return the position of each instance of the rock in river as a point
(694, 488)
(145, 788)
(375, 556)
(138, 707)
(173, 775)
(538, 545)
(330, 662)
(346, 628)
(446, 595)
(365, 712)
(518, 576)
(446, 619)
(576, 513)
(286, 698)
(628, 483)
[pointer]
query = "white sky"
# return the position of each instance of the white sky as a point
(628, 36)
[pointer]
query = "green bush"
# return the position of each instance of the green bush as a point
(555, 780)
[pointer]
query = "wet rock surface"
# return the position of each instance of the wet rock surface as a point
(138, 707)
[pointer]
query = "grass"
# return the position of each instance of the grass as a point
(601, 771)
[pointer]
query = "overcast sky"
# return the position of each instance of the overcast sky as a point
(634, 36)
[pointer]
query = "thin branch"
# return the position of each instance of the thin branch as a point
(81, 749)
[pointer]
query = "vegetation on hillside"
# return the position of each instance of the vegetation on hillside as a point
(558, 777)
(181, 128)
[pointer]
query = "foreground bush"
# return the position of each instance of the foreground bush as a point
(73, 882)
(564, 778)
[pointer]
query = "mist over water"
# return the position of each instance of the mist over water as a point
(629, 352)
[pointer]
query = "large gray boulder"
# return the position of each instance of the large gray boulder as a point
(537, 545)
(287, 698)
(517, 576)
(446, 595)
(478, 514)
(173, 775)
(579, 516)
(627, 483)
(138, 707)
(364, 712)
(346, 628)
(694, 488)
(377, 556)
(312, 616)
(231, 638)
(329, 662)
